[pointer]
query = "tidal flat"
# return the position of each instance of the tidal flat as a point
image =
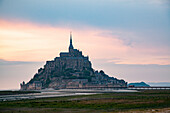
(143, 101)
(10, 92)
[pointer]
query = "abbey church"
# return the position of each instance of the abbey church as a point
(70, 70)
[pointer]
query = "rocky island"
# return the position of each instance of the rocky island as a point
(70, 70)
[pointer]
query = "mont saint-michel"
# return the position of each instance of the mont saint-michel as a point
(71, 70)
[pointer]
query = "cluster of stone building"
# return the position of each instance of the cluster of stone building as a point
(70, 70)
(36, 85)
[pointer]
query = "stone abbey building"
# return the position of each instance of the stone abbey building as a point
(70, 70)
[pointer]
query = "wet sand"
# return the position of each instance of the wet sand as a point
(58, 93)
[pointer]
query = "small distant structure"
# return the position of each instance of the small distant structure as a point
(23, 86)
(131, 86)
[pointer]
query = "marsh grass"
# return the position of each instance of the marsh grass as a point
(108, 102)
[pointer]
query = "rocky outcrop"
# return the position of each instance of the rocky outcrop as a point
(138, 84)
(70, 70)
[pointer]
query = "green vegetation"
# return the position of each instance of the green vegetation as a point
(16, 92)
(107, 102)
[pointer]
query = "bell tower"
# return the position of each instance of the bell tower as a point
(71, 45)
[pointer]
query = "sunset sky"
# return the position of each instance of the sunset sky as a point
(128, 39)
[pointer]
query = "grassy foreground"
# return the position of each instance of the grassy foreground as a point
(107, 102)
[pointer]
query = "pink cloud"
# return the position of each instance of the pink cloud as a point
(33, 42)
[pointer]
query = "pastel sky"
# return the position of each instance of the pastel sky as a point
(128, 39)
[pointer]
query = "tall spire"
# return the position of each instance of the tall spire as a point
(71, 45)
